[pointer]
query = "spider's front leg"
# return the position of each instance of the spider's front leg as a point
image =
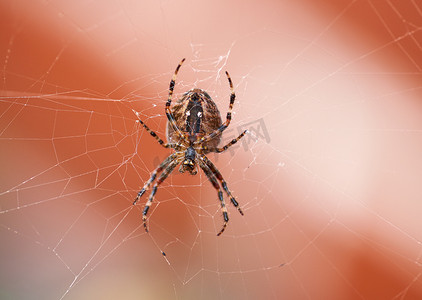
(147, 184)
(170, 167)
(215, 184)
(217, 174)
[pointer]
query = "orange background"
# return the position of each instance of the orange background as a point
(332, 202)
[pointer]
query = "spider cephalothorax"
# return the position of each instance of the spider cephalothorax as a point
(189, 163)
(194, 129)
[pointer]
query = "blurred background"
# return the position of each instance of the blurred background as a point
(329, 176)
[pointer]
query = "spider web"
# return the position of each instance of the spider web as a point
(328, 176)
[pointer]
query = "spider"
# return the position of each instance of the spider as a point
(194, 129)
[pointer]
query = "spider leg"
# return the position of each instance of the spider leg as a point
(160, 179)
(153, 134)
(169, 114)
(217, 174)
(161, 167)
(211, 177)
(232, 142)
(223, 127)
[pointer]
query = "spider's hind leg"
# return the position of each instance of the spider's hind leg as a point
(226, 124)
(169, 113)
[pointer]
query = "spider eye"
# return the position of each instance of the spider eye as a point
(189, 163)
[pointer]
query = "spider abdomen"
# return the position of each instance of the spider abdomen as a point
(195, 114)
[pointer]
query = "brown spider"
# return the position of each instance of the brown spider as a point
(194, 129)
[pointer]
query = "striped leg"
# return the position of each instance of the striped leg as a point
(232, 142)
(215, 184)
(217, 174)
(213, 134)
(153, 134)
(161, 167)
(169, 114)
(160, 179)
